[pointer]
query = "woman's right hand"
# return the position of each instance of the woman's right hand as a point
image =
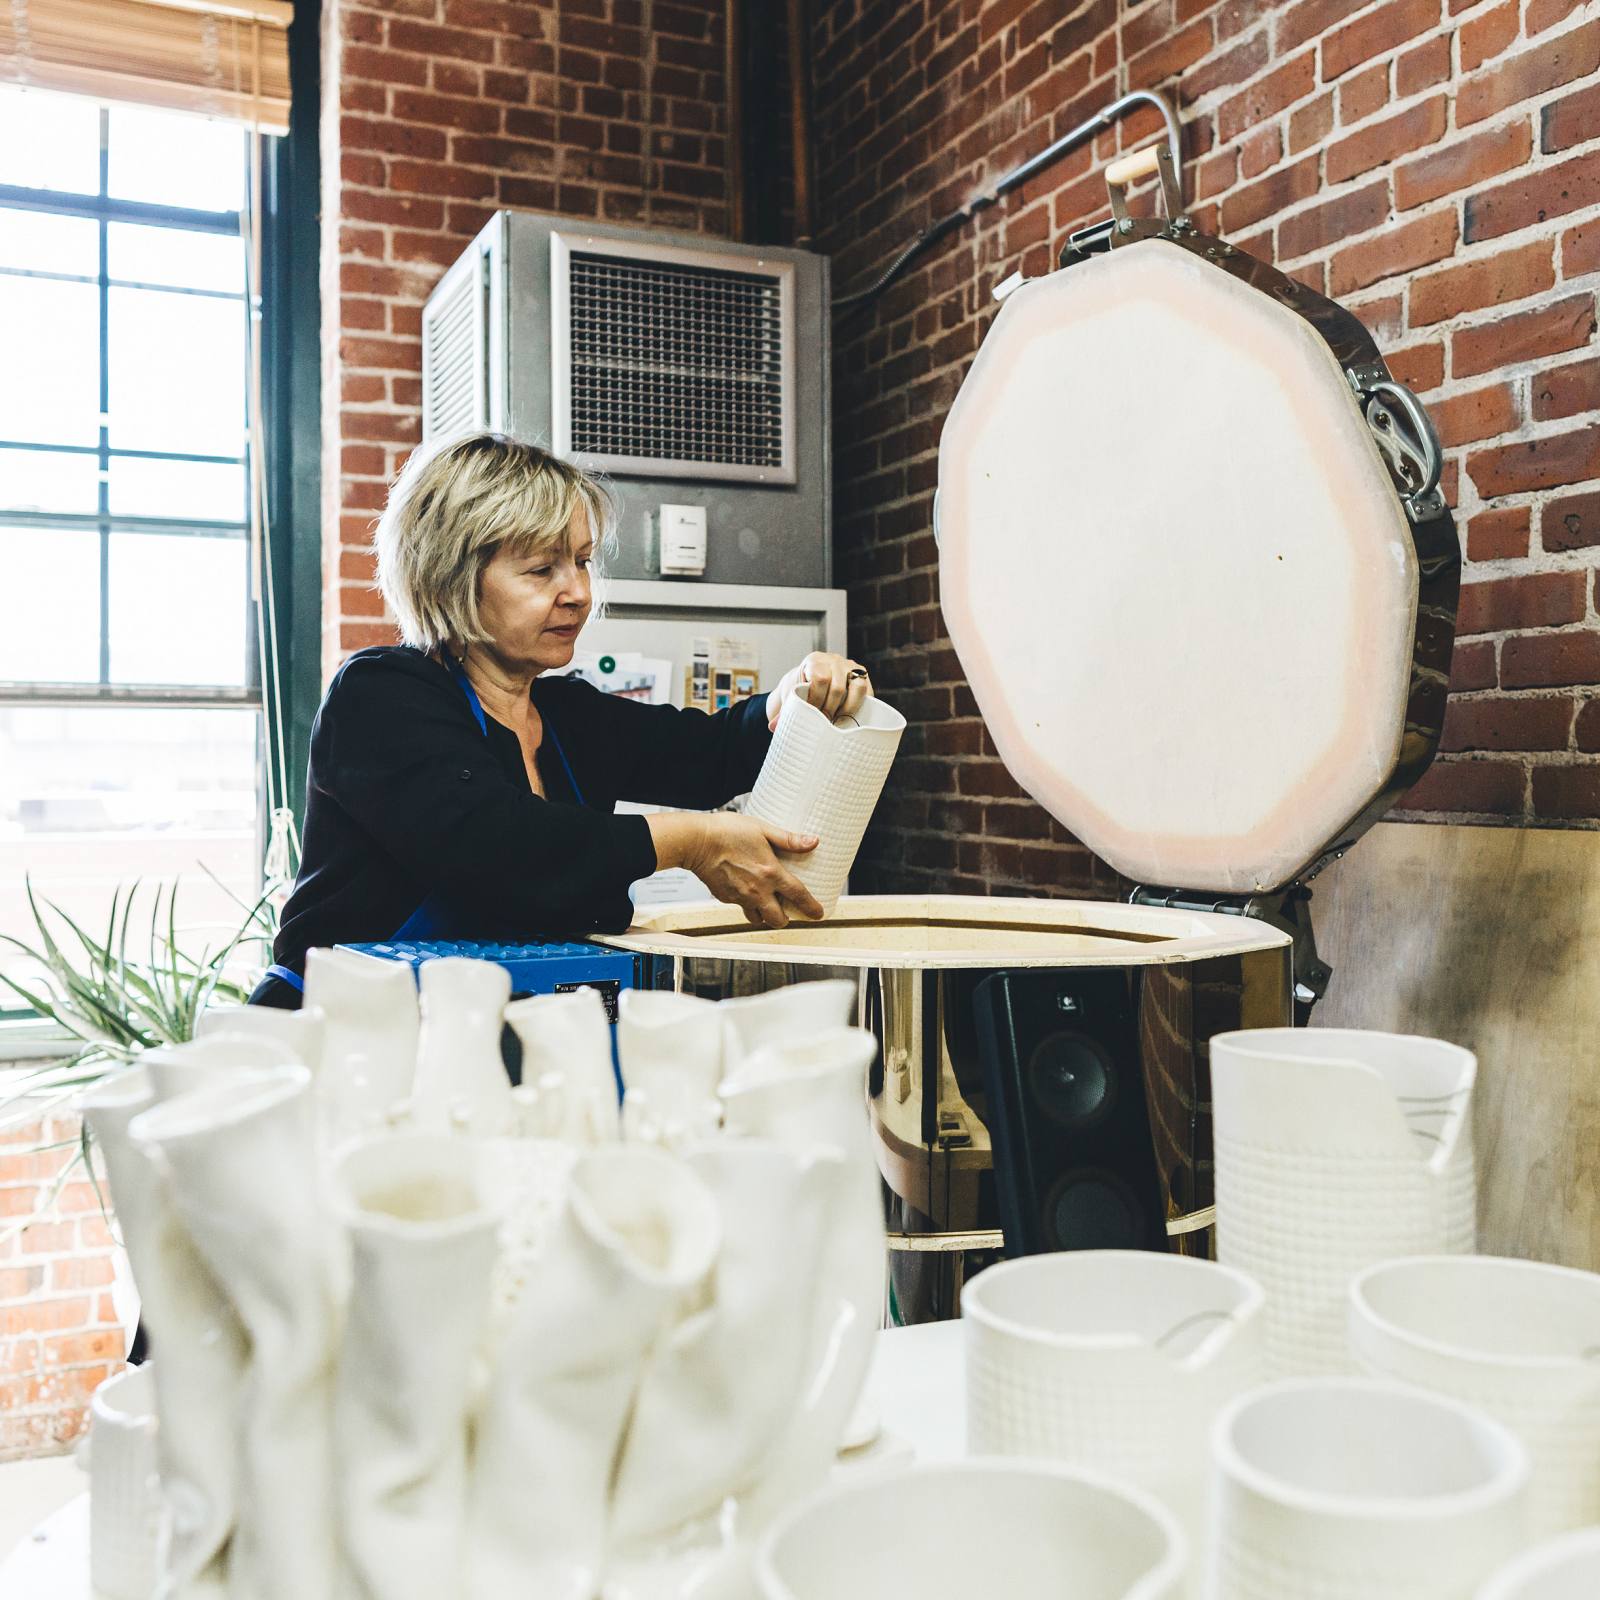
(733, 856)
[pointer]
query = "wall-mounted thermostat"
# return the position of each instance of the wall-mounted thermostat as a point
(681, 541)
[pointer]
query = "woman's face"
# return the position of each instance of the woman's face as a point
(533, 606)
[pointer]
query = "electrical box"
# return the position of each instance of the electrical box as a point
(681, 541)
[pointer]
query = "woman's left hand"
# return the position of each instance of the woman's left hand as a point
(835, 685)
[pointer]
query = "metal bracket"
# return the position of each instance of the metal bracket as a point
(1404, 434)
(1122, 175)
(1288, 909)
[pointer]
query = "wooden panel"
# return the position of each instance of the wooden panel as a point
(1489, 937)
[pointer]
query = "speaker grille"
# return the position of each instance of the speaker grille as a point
(676, 363)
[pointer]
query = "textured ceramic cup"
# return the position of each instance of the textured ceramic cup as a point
(824, 778)
(1567, 1568)
(1518, 1339)
(1347, 1489)
(124, 1487)
(1336, 1149)
(1023, 1530)
(1117, 1360)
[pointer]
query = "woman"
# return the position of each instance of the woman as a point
(460, 788)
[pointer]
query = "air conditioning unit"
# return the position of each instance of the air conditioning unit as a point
(690, 372)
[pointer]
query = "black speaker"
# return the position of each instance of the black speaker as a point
(1074, 1164)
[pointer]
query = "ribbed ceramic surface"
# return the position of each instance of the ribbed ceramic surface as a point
(1303, 1224)
(825, 779)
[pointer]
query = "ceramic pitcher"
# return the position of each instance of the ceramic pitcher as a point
(1518, 1339)
(1336, 1149)
(1117, 1360)
(782, 1016)
(824, 778)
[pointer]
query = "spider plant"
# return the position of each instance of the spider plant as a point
(132, 989)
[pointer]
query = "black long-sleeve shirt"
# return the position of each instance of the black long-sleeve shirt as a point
(406, 799)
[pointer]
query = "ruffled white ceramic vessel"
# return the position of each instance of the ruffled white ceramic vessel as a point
(1349, 1489)
(1518, 1339)
(1336, 1149)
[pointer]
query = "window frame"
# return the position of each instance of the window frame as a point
(291, 379)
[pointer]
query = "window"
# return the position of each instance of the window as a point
(130, 689)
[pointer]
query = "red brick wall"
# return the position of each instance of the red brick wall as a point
(436, 114)
(1435, 164)
(59, 1334)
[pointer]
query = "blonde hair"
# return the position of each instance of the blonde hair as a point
(453, 507)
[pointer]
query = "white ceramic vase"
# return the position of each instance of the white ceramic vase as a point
(1518, 1339)
(810, 1095)
(245, 1177)
(719, 1390)
(1335, 1150)
(1567, 1568)
(1347, 1489)
(782, 1016)
(566, 1066)
(370, 1024)
(1022, 1530)
(297, 1033)
(673, 1050)
(639, 1232)
(1115, 1360)
(422, 1243)
(461, 1079)
(824, 778)
(125, 1512)
(191, 1319)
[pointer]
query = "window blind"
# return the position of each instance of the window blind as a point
(221, 57)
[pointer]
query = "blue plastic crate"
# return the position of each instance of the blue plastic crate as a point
(533, 968)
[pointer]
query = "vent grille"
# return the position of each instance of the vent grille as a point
(675, 363)
(453, 373)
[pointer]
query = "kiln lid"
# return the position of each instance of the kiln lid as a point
(1179, 575)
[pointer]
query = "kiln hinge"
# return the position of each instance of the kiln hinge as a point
(1288, 909)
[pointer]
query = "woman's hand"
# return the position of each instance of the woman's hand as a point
(835, 685)
(733, 857)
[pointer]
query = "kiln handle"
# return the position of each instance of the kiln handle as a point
(1123, 173)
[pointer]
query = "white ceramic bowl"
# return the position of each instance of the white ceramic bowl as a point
(1567, 1568)
(1012, 1529)
(1349, 1489)
(1518, 1339)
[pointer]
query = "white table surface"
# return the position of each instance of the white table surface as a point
(915, 1389)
